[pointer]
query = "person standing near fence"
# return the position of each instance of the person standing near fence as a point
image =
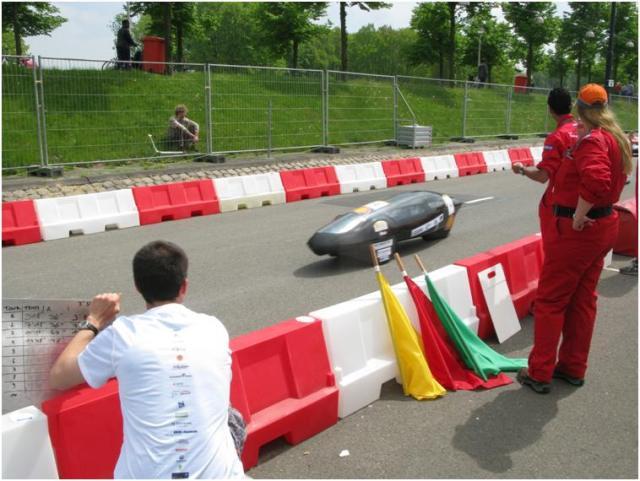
(557, 144)
(124, 42)
(183, 132)
(587, 184)
(483, 73)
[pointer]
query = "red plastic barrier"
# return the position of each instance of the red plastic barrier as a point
(522, 263)
(627, 242)
(310, 183)
(20, 223)
(283, 385)
(85, 427)
(522, 155)
(475, 264)
(158, 203)
(470, 163)
(403, 171)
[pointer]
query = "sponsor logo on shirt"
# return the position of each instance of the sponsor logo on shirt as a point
(180, 366)
(548, 147)
(180, 404)
(176, 376)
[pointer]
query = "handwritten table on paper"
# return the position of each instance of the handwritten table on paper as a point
(34, 333)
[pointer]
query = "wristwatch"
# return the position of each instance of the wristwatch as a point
(86, 325)
(522, 171)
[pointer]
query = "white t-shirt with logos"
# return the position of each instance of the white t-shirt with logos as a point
(174, 373)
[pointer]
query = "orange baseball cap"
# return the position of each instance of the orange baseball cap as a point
(592, 95)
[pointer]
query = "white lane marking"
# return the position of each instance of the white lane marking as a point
(612, 269)
(475, 201)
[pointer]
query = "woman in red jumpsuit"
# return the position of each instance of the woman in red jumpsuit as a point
(587, 184)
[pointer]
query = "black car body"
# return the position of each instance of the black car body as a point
(385, 223)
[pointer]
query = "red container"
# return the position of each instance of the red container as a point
(310, 183)
(522, 263)
(20, 223)
(470, 163)
(627, 242)
(158, 203)
(282, 384)
(153, 52)
(522, 155)
(520, 83)
(85, 427)
(403, 171)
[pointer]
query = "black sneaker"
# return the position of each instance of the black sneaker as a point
(574, 381)
(539, 387)
(631, 269)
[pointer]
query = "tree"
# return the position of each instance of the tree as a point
(625, 45)
(161, 21)
(534, 26)
(430, 21)
(27, 19)
(183, 19)
(366, 6)
(286, 25)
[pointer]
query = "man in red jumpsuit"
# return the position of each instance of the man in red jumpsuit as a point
(556, 146)
(586, 185)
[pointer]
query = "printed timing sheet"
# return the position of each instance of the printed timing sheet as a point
(34, 332)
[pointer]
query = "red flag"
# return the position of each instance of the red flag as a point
(442, 356)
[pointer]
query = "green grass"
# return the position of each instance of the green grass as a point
(95, 115)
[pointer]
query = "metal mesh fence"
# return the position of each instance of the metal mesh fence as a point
(262, 108)
(487, 109)
(20, 130)
(436, 103)
(528, 113)
(360, 108)
(626, 111)
(95, 112)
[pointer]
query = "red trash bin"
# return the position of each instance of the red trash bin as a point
(520, 83)
(153, 52)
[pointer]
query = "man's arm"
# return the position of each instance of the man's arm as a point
(539, 175)
(65, 372)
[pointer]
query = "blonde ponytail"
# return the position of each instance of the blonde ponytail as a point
(604, 118)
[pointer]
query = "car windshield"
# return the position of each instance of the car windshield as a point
(345, 223)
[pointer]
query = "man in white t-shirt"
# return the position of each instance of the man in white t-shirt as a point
(174, 373)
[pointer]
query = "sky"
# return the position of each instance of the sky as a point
(86, 34)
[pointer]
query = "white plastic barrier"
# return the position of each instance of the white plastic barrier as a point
(496, 294)
(536, 153)
(360, 350)
(361, 177)
(26, 448)
(439, 167)
(249, 191)
(452, 284)
(86, 214)
(497, 160)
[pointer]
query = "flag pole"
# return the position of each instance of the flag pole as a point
(420, 264)
(374, 257)
(400, 264)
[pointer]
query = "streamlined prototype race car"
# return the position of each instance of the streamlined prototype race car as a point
(385, 223)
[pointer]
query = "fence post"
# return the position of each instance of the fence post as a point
(207, 102)
(464, 109)
(269, 112)
(45, 146)
(546, 122)
(509, 99)
(37, 101)
(395, 108)
(326, 107)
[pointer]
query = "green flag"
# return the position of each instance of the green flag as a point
(479, 357)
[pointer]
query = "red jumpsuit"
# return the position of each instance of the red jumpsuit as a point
(556, 146)
(566, 299)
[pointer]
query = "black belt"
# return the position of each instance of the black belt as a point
(595, 213)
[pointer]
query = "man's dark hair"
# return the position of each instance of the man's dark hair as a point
(159, 269)
(559, 101)
(125, 23)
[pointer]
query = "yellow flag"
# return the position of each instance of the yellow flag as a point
(417, 380)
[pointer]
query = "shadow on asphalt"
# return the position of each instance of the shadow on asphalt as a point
(335, 266)
(511, 422)
(616, 285)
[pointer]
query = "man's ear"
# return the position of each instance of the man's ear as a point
(183, 288)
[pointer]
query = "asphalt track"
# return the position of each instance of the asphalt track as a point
(252, 269)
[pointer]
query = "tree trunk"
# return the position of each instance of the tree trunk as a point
(343, 36)
(579, 69)
(295, 54)
(179, 38)
(452, 38)
(529, 62)
(16, 29)
(166, 22)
